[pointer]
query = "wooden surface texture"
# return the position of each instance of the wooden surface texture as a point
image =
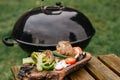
(103, 67)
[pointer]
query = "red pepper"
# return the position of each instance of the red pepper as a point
(77, 50)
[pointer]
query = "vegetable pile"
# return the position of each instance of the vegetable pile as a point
(64, 56)
(42, 60)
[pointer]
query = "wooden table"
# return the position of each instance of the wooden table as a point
(104, 67)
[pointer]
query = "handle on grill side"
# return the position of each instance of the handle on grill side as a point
(7, 42)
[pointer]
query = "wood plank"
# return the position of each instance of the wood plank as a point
(15, 70)
(100, 71)
(112, 61)
(81, 74)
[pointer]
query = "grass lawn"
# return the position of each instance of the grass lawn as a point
(103, 14)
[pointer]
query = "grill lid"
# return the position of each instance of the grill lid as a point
(50, 24)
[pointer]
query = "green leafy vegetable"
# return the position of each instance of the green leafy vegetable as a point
(28, 60)
(37, 57)
(42, 60)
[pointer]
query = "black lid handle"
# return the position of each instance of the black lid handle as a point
(53, 10)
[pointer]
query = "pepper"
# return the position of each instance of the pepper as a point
(59, 55)
(49, 67)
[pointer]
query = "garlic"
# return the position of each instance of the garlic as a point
(60, 65)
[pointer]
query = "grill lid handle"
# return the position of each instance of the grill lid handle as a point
(53, 10)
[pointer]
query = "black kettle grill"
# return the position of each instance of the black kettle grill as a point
(41, 28)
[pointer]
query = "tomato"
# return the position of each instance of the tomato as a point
(77, 50)
(70, 60)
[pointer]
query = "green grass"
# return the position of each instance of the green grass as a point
(103, 14)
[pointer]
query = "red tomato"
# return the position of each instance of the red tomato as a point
(77, 50)
(70, 60)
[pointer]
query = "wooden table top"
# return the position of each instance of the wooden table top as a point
(103, 67)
